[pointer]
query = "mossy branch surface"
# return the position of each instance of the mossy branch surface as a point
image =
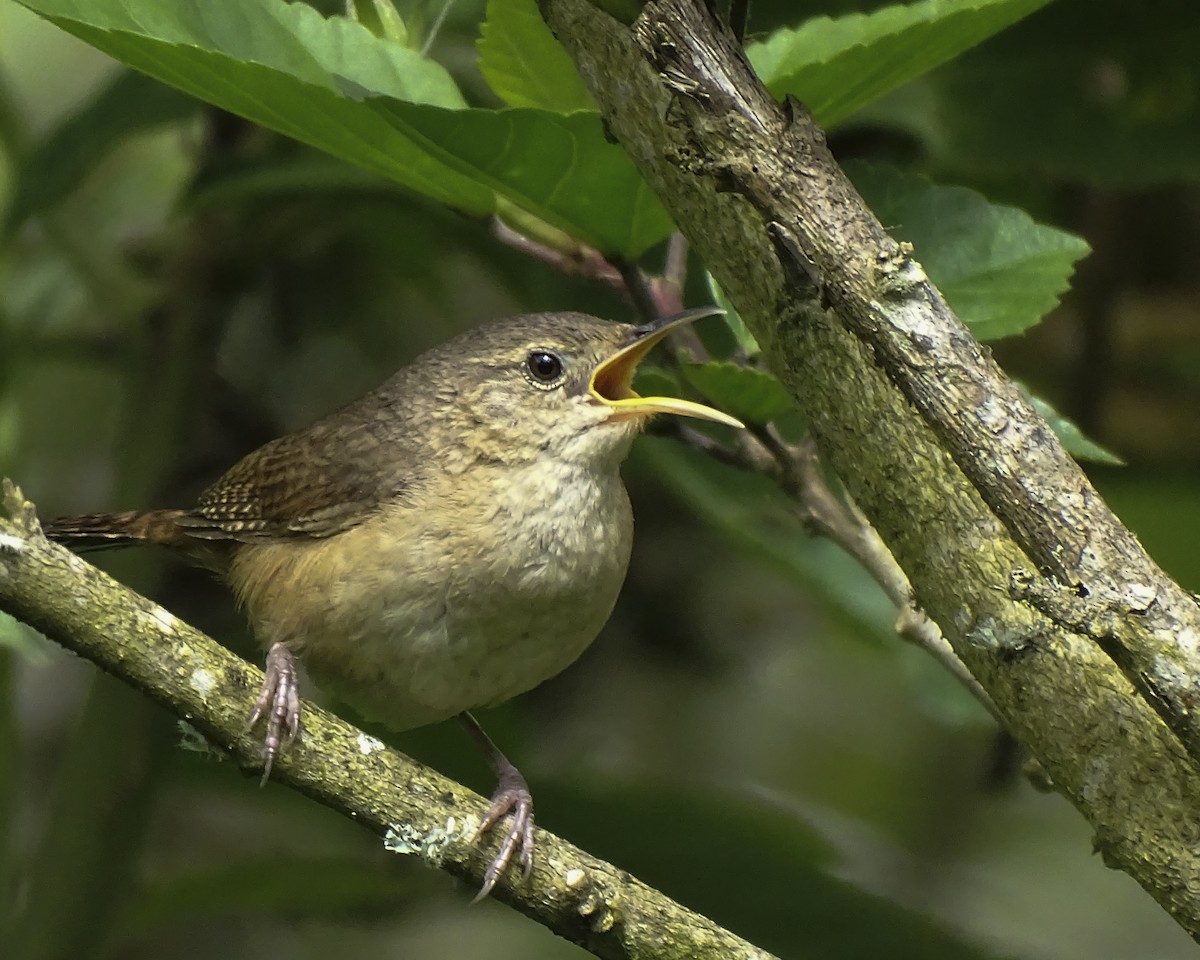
(592, 903)
(1089, 651)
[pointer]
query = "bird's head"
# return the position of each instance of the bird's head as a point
(558, 384)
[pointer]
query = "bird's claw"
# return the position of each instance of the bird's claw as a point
(511, 796)
(278, 704)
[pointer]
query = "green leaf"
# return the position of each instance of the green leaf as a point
(751, 395)
(746, 342)
(557, 166)
(523, 63)
(837, 66)
(381, 17)
(1077, 444)
(130, 104)
(244, 59)
(334, 85)
(363, 64)
(290, 38)
(999, 270)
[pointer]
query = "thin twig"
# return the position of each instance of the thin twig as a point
(681, 430)
(668, 289)
(639, 289)
(436, 27)
(580, 260)
(824, 513)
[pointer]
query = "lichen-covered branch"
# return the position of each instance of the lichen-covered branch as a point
(415, 809)
(1083, 644)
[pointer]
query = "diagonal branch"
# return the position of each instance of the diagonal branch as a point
(1094, 564)
(416, 810)
(1083, 644)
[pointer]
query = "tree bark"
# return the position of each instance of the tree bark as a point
(1087, 648)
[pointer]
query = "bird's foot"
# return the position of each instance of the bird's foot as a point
(278, 704)
(511, 796)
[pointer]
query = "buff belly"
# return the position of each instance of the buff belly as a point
(412, 619)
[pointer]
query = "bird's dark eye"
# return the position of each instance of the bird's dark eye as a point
(544, 367)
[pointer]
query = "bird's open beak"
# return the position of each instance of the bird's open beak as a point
(612, 381)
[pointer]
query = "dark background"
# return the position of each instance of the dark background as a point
(740, 735)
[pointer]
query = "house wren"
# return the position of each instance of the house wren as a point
(448, 541)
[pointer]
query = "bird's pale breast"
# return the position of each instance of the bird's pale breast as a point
(415, 615)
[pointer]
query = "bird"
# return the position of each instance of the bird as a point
(444, 543)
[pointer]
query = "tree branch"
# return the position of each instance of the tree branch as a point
(416, 810)
(1048, 600)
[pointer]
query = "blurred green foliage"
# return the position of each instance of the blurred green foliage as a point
(178, 284)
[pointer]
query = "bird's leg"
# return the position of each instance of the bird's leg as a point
(510, 796)
(279, 704)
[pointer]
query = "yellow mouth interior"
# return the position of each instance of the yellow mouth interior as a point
(612, 385)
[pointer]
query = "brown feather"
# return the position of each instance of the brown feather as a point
(100, 531)
(306, 485)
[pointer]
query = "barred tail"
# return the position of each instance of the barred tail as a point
(102, 531)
